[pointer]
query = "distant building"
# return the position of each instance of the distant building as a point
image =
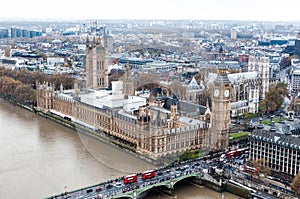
(293, 47)
(110, 43)
(3, 33)
(297, 45)
(57, 43)
(233, 35)
(239, 108)
(18, 32)
(262, 66)
(134, 62)
(246, 87)
(55, 61)
(295, 75)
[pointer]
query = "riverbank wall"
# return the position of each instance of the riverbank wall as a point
(223, 187)
(85, 130)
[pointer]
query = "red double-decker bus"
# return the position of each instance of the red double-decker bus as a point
(130, 178)
(235, 153)
(148, 174)
(251, 169)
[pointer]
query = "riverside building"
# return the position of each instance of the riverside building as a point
(153, 128)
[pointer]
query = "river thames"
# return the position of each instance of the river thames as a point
(40, 158)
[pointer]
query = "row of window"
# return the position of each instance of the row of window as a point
(280, 166)
(278, 158)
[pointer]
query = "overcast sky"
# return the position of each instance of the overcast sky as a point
(261, 10)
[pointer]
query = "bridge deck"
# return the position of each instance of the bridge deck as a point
(165, 177)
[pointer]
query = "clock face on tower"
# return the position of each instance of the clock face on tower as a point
(226, 93)
(216, 93)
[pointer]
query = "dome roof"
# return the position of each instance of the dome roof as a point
(56, 41)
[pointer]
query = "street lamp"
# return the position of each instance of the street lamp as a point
(65, 188)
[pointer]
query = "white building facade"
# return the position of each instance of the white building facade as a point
(261, 64)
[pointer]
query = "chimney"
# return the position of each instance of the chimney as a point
(288, 129)
(272, 129)
(260, 125)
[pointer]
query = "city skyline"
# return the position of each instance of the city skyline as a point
(157, 10)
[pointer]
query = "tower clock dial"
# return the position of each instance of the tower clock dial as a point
(226, 93)
(216, 93)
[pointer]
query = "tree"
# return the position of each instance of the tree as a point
(7, 51)
(44, 56)
(25, 94)
(69, 63)
(275, 97)
(295, 186)
(261, 166)
(145, 80)
(38, 76)
(24, 76)
(57, 79)
(8, 86)
(272, 100)
(115, 74)
(203, 73)
(292, 57)
(7, 72)
(178, 89)
(284, 62)
(282, 89)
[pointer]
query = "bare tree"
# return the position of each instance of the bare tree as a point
(145, 80)
(295, 186)
(261, 166)
(178, 89)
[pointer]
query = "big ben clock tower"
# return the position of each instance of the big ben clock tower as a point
(220, 116)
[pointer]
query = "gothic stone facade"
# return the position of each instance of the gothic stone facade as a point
(96, 64)
(153, 131)
(220, 118)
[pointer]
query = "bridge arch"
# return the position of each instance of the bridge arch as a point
(124, 197)
(154, 186)
(184, 178)
(169, 184)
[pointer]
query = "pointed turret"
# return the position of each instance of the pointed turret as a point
(61, 88)
(98, 41)
(87, 42)
(207, 112)
(94, 42)
(173, 109)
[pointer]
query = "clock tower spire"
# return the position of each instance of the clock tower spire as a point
(220, 118)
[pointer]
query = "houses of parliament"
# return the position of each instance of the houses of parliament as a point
(154, 129)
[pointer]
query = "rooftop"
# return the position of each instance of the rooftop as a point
(284, 132)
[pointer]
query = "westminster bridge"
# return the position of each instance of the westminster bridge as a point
(163, 179)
